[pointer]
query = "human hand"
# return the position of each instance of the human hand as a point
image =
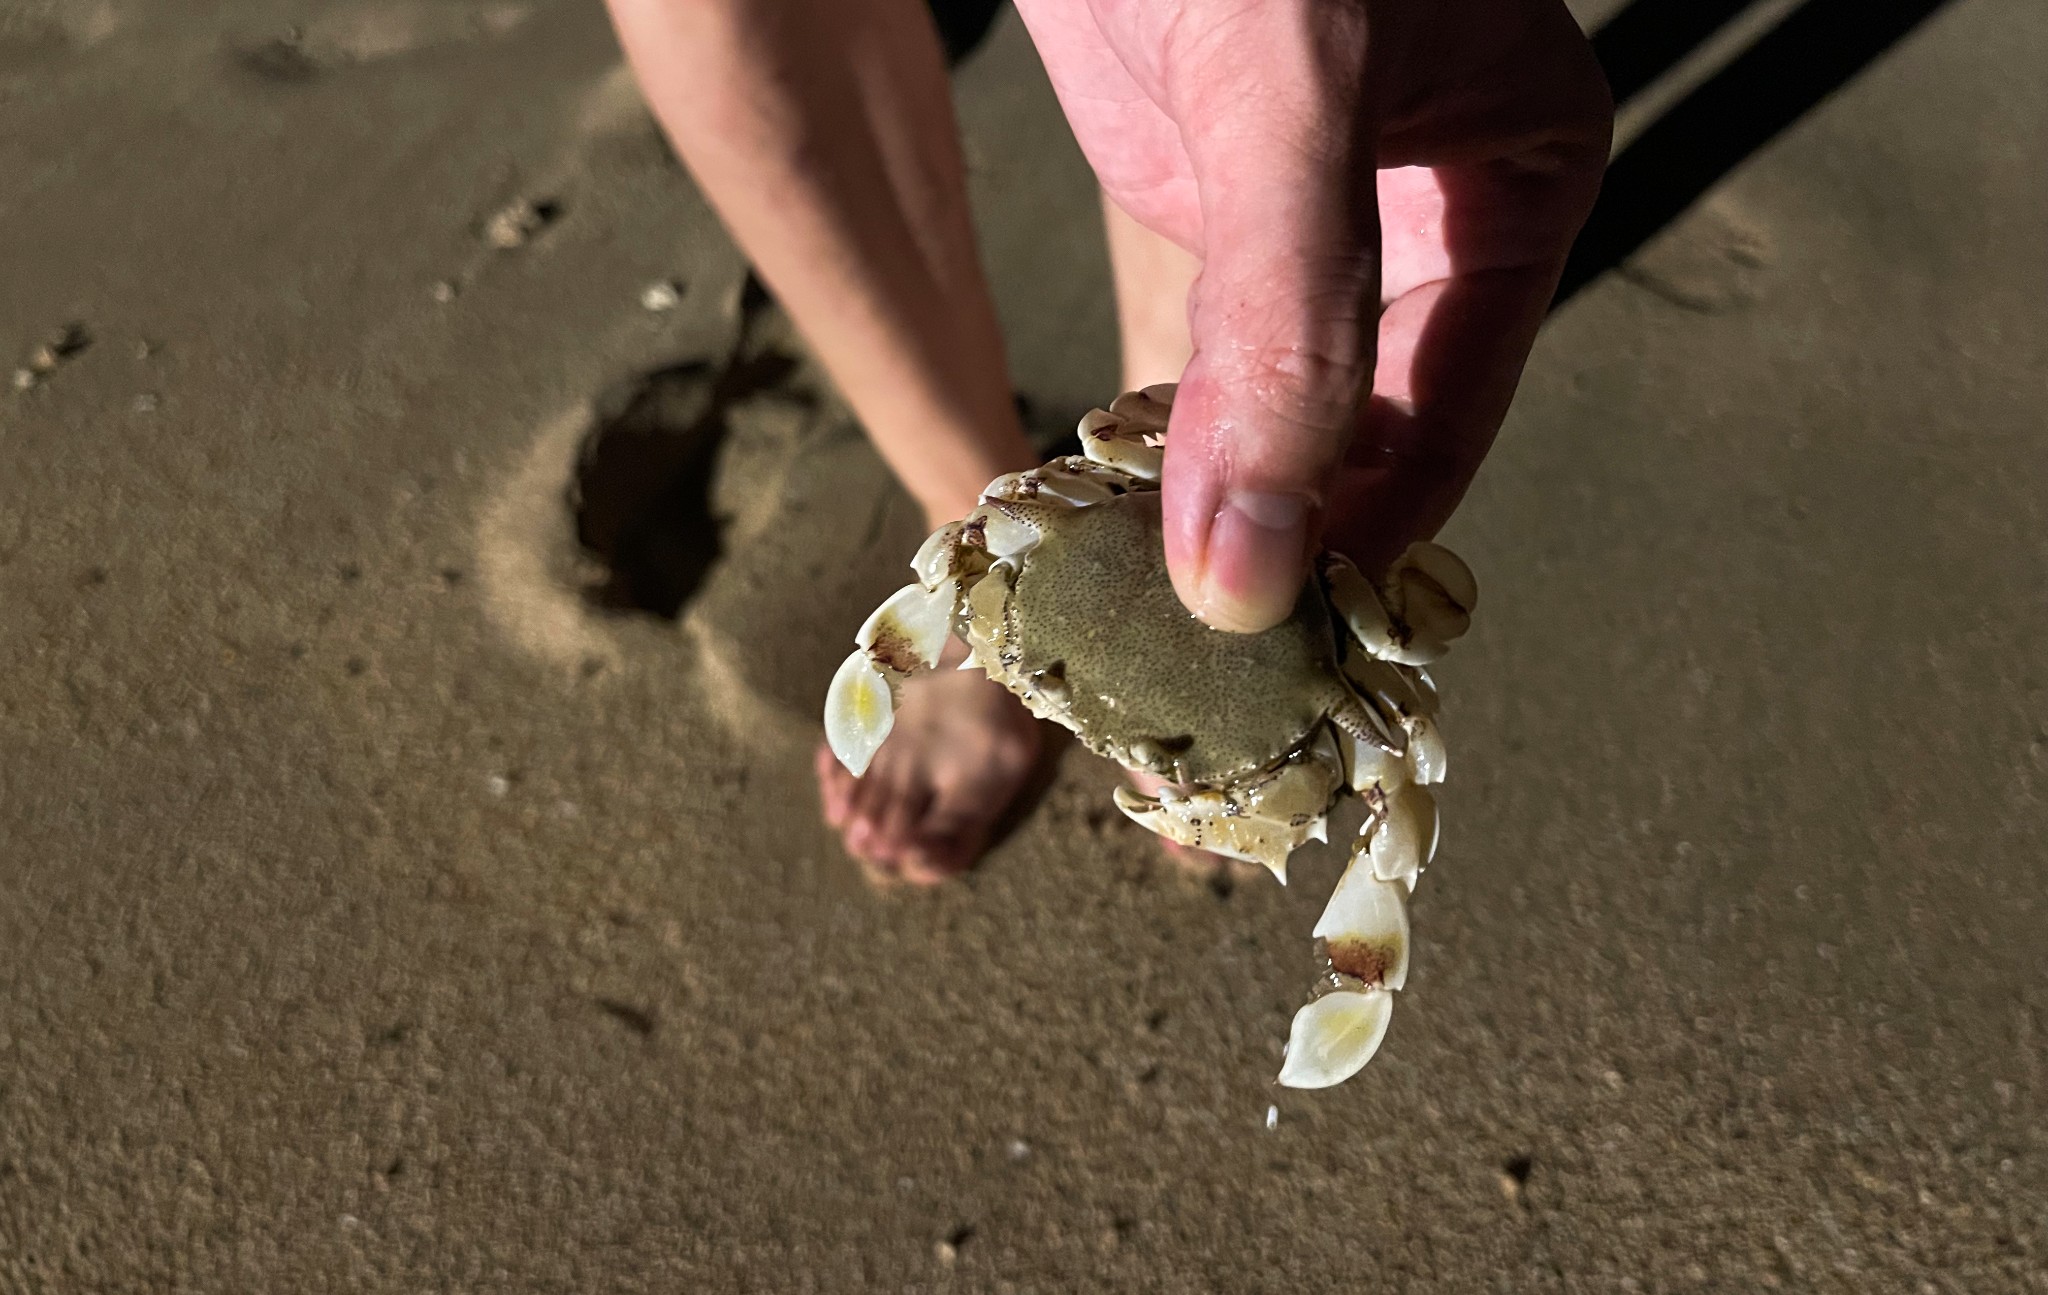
(1382, 196)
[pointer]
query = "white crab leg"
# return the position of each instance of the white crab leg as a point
(1333, 1037)
(1364, 931)
(1426, 754)
(1365, 615)
(1445, 569)
(1368, 765)
(1205, 820)
(904, 636)
(1408, 695)
(1080, 465)
(1146, 412)
(1364, 928)
(1006, 528)
(1109, 439)
(1428, 609)
(1075, 488)
(938, 558)
(1381, 618)
(1011, 485)
(1400, 844)
(908, 631)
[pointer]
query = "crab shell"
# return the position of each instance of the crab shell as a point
(1057, 582)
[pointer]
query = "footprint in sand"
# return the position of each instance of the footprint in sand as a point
(714, 497)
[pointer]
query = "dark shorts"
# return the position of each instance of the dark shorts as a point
(963, 24)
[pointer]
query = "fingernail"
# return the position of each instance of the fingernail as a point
(1258, 550)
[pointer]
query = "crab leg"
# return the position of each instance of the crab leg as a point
(1363, 939)
(1410, 617)
(1129, 436)
(1408, 698)
(903, 637)
(959, 565)
(1363, 933)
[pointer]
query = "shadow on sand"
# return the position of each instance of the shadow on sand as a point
(1812, 52)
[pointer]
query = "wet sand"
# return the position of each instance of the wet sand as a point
(378, 912)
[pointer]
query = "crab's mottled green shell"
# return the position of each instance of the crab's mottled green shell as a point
(1094, 608)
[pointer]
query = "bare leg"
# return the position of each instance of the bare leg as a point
(823, 133)
(1153, 278)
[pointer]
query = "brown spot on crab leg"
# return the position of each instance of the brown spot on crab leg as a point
(1364, 927)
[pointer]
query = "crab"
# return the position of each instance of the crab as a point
(1057, 582)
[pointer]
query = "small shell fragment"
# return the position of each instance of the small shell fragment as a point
(1333, 1037)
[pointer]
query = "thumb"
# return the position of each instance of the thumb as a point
(1283, 320)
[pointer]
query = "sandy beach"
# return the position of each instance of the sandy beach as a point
(410, 869)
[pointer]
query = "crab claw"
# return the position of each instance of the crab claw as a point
(1204, 821)
(1364, 928)
(860, 709)
(1333, 1037)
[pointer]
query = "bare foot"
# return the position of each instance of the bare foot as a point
(960, 749)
